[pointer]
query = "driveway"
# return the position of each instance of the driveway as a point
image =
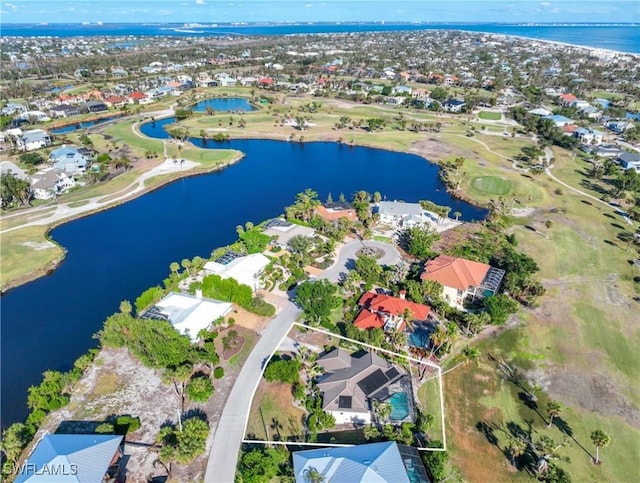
(223, 457)
(347, 257)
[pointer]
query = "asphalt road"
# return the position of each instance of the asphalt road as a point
(347, 257)
(223, 458)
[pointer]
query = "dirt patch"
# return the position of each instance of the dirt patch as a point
(522, 212)
(39, 246)
(434, 149)
(248, 320)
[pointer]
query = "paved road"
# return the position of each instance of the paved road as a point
(347, 257)
(223, 457)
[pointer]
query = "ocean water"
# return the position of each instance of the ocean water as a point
(622, 38)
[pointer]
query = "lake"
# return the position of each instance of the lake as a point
(81, 125)
(116, 254)
(224, 104)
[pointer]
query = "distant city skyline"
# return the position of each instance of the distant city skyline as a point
(212, 11)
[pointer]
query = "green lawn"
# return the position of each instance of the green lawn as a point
(490, 115)
(273, 407)
(492, 184)
(429, 397)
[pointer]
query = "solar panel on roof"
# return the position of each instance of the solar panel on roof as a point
(228, 257)
(373, 382)
(344, 402)
(276, 222)
(392, 373)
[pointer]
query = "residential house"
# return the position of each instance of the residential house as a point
(245, 270)
(541, 111)
(619, 126)
(629, 160)
(115, 101)
(7, 167)
(463, 280)
(401, 91)
(81, 458)
(31, 140)
(567, 99)
(69, 159)
(187, 313)
(95, 106)
(364, 463)
(607, 151)
(559, 120)
(137, 98)
(350, 385)
(49, 183)
(453, 105)
(402, 215)
(333, 212)
(589, 136)
(283, 231)
(64, 110)
(388, 313)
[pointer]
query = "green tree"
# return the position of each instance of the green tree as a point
(304, 206)
(184, 445)
(312, 475)
(499, 307)
(317, 299)
(600, 439)
(282, 370)
(14, 439)
(14, 192)
(435, 462)
(125, 307)
(418, 241)
(199, 388)
(32, 159)
(554, 408)
(369, 269)
(516, 448)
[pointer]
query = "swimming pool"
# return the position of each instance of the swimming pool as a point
(399, 406)
(419, 337)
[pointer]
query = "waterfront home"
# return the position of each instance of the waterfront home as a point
(49, 183)
(463, 280)
(95, 106)
(283, 231)
(189, 314)
(402, 215)
(388, 313)
(30, 140)
(69, 159)
(245, 270)
(333, 212)
(64, 110)
(82, 458)
(350, 385)
(363, 463)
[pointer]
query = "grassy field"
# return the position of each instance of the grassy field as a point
(490, 115)
(429, 397)
(492, 185)
(24, 251)
(272, 407)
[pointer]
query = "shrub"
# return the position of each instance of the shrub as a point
(184, 446)
(105, 428)
(199, 389)
(283, 370)
(148, 298)
(126, 424)
(218, 373)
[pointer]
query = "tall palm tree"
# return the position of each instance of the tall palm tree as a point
(554, 408)
(548, 224)
(599, 439)
(517, 447)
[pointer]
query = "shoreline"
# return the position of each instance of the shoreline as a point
(54, 264)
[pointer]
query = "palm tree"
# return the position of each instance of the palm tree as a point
(457, 214)
(312, 475)
(517, 447)
(186, 264)
(554, 408)
(599, 439)
(174, 267)
(547, 225)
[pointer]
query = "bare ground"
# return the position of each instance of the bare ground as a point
(117, 383)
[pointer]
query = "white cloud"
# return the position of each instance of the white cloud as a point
(11, 6)
(545, 4)
(199, 2)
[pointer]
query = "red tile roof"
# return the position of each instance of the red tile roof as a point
(369, 320)
(332, 214)
(569, 128)
(393, 305)
(568, 97)
(458, 273)
(137, 95)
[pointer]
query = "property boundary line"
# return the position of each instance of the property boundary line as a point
(332, 334)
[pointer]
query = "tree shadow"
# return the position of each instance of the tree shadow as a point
(563, 426)
(611, 243)
(488, 431)
(195, 413)
(528, 401)
(609, 215)
(586, 202)
(619, 227)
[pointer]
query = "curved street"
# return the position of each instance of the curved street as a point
(227, 440)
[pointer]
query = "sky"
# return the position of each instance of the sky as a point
(210, 11)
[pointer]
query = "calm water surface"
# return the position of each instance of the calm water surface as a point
(116, 254)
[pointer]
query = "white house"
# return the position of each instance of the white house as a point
(284, 231)
(30, 140)
(69, 159)
(7, 167)
(244, 270)
(189, 314)
(49, 183)
(589, 136)
(401, 214)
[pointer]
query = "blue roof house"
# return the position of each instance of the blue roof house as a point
(365, 463)
(74, 458)
(69, 160)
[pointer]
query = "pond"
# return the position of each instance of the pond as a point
(118, 253)
(81, 125)
(224, 104)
